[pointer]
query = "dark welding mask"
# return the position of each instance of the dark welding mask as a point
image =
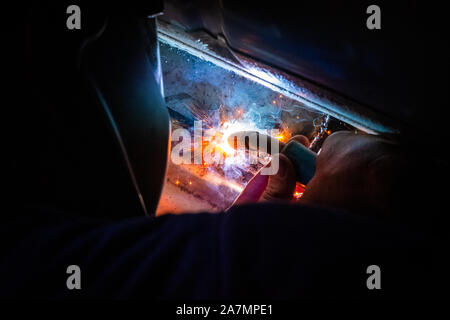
(92, 129)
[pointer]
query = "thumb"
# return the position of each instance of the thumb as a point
(281, 185)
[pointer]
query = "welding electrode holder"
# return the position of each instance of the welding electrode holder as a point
(303, 159)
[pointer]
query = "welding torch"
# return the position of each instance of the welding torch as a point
(303, 159)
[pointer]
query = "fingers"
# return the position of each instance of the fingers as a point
(281, 185)
(301, 139)
(354, 172)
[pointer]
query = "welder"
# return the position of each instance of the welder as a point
(86, 161)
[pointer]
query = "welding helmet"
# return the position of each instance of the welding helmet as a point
(91, 130)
